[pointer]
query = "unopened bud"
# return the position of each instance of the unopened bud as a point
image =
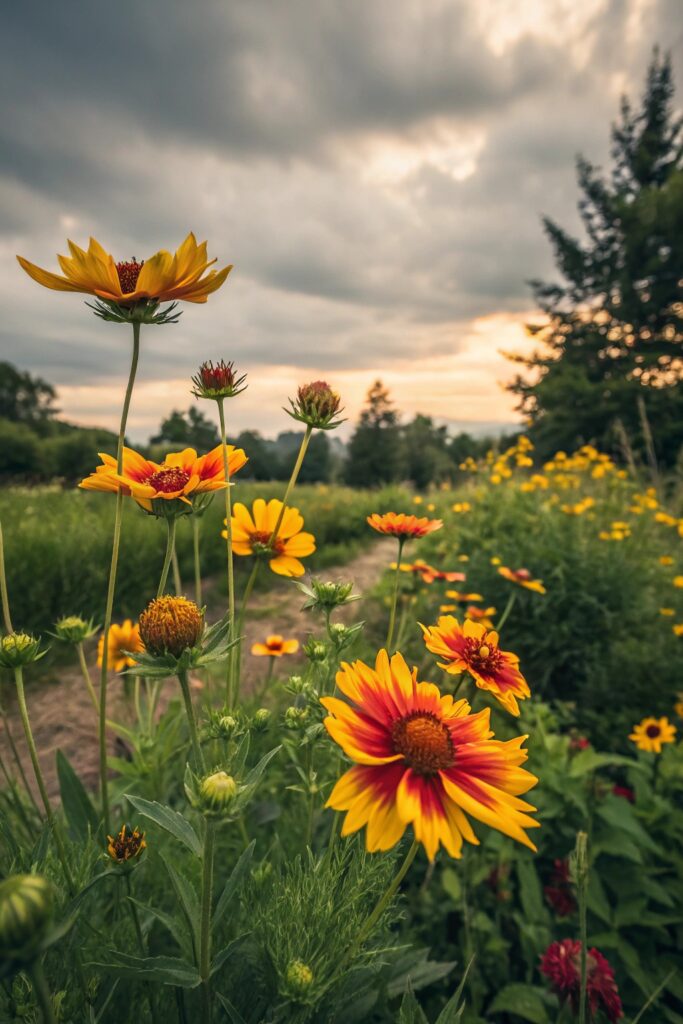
(261, 719)
(317, 405)
(217, 792)
(18, 649)
(25, 910)
(298, 978)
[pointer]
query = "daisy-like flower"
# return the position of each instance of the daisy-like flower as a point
(483, 615)
(405, 527)
(427, 573)
(458, 595)
(160, 278)
(651, 733)
(561, 964)
(421, 759)
(523, 578)
(473, 648)
(275, 646)
(125, 637)
(182, 476)
(252, 534)
(127, 845)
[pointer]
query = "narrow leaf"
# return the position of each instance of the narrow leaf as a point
(233, 881)
(78, 808)
(173, 823)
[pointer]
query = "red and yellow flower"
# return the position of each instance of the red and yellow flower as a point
(405, 527)
(252, 534)
(483, 615)
(523, 578)
(121, 639)
(473, 648)
(160, 278)
(421, 759)
(459, 595)
(181, 476)
(651, 733)
(275, 646)
(427, 573)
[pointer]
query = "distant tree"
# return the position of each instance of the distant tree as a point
(612, 344)
(374, 451)
(264, 463)
(425, 452)
(23, 398)
(22, 452)
(190, 430)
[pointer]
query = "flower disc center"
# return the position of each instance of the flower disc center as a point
(653, 731)
(168, 481)
(424, 741)
(483, 657)
(261, 543)
(129, 272)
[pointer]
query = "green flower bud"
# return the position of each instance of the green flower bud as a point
(261, 720)
(72, 629)
(298, 979)
(317, 405)
(26, 903)
(227, 725)
(296, 718)
(315, 650)
(296, 684)
(216, 793)
(18, 649)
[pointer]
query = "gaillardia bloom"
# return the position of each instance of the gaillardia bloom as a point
(160, 278)
(523, 578)
(561, 964)
(182, 476)
(120, 639)
(421, 759)
(275, 646)
(475, 649)
(405, 527)
(171, 625)
(651, 733)
(127, 845)
(427, 573)
(252, 534)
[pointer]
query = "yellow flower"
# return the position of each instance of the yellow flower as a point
(666, 560)
(405, 527)
(678, 581)
(651, 733)
(523, 578)
(275, 646)
(667, 611)
(678, 708)
(161, 278)
(125, 637)
(127, 845)
(252, 533)
(678, 629)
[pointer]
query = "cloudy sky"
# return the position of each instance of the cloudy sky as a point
(375, 170)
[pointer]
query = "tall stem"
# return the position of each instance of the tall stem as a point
(170, 545)
(177, 582)
(111, 587)
(508, 608)
(42, 992)
(240, 626)
(293, 478)
(197, 563)
(394, 601)
(191, 721)
(86, 676)
(7, 619)
(230, 677)
(205, 925)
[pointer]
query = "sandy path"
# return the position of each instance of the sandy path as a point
(62, 715)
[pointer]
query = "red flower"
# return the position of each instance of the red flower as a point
(624, 791)
(579, 743)
(561, 964)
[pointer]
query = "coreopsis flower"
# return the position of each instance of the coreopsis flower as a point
(651, 733)
(126, 845)
(427, 573)
(523, 578)
(458, 595)
(561, 964)
(297, 981)
(171, 625)
(667, 611)
(122, 641)
(473, 648)
(421, 759)
(316, 405)
(252, 534)
(558, 892)
(666, 560)
(678, 581)
(677, 629)
(218, 380)
(275, 646)
(26, 904)
(180, 483)
(132, 290)
(483, 615)
(405, 527)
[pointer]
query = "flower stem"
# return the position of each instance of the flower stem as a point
(392, 616)
(86, 676)
(191, 721)
(293, 478)
(205, 925)
(177, 582)
(508, 608)
(240, 626)
(230, 678)
(109, 607)
(197, 563)
(7, 619)
(42, 992)
(170, 545)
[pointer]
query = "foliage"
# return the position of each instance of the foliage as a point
(192, 429)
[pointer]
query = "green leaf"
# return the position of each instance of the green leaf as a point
(597, 898)
(78, 808)
(454, 1009)
(618, 814)
(523, 1000)
(450, 881)
(220, 958)
(530, 892)
(234, 1014)
(172, 822)
(233, 881)
(187, 897)
(166, 969)
(257, 771)
(172, 924)
(411, 1012)
(590, 760)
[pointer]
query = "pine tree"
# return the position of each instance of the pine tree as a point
(374, 450)
(611, 349)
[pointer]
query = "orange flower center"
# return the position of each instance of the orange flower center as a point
(261, 543)
(129, 273)
(653, 731)
(483, 657)
(424, 741)
(275, 645)
(168, 481)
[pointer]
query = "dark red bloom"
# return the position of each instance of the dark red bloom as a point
(559, 892)
(624, 791)
(561, 964)
(579, 743)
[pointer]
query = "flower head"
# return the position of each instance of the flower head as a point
(459, 595)
(405, 527)
(216, 793)
(561, 964)
(121, 639)
(26, 903)
(523, 578)
(298, 979)
(427, 573)
(171, 625)
(72, 629)
(126, 845)
(651, 733)
(422, 759)
(218, 380)
(483, 615)
(473, 648)
(252, 534)
(19, 649)
(275, 646)
(316, 405)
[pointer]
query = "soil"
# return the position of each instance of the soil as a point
(62, 714)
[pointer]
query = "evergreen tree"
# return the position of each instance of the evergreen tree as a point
(192, 429)
(23, 398)
(374, 452)
(425, 452)
(611, 357)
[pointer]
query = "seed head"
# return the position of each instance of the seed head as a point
(170, 625)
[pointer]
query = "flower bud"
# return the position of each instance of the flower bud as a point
(296, 718)
(298, 978)
(170, 625)
(18, 649)
(315, 650)
(261, 720)
(72, 629)
(217, 380)
(216, 792)
(127, 845)
(316, 404)
(25, 911)
(227, 725)
(324, 596)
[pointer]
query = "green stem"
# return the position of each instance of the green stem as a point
(583, 932)
(170, 546)
(205, 925)
(230, 682)
(266, 682)
(42, 992)
(240, 626)
(3, 588)
(191, 721)
(86, 676)
(197, 564)
(177, 582)
(111, 586)
(15, 754)
(392, 616)
(293, 478)
(508, 608)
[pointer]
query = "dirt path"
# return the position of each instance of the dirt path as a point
(63, 717)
